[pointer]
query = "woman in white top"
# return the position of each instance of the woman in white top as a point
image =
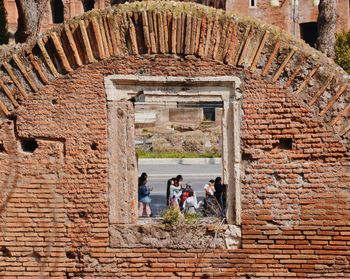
(191, 205)
(209, 188)
(175, 194)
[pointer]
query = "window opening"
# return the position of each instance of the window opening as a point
(212, 3)
(285, 143)
(114, 2)
(308, 32)
(29, 145)
(171, 140)
(208, 114)
(133, 102)
(88, 5)
(2, 148)
(57, 11)
(94, 146)
(5, 251)
(253, 3)
(221, 5)
(209, 109)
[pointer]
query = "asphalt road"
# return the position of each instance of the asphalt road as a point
(196, 175)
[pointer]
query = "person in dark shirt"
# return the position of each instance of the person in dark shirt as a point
(219, 191)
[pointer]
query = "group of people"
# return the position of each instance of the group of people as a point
(181, 195)
(215, 197)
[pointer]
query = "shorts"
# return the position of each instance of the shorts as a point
(146, 199)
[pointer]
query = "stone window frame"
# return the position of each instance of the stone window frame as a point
(121, 88)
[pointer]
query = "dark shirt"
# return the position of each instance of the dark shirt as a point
(143, 191)
(219, 190)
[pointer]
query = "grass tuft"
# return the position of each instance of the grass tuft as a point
(173, 218)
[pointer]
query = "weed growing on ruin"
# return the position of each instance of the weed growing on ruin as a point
(192, 218)
(172, 217)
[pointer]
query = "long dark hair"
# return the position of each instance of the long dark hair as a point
(168, 189)
(142, 179)
(217, 181)
(178, 179)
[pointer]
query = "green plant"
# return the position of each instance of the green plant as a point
(192, 218)
(342, 51)
(4, 34)
(172, 217)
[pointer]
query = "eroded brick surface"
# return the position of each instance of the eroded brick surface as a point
(184, 29)
(281, 16)
(295, 130)
(55, 219)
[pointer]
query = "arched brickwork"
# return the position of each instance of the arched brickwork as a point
(295, 201)
(181, 29)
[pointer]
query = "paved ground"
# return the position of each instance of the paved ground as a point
(196, 175)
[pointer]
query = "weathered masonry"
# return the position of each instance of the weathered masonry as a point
(56, 11)
(122, 173)
(59, 215)
(294, 16)
(121, 88)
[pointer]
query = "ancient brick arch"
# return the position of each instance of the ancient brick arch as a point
(181, 29)
(54, 198)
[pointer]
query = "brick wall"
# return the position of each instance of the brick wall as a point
(280, 16)
(294, 197)
(286, 16)
(54, 205)
(71, 8)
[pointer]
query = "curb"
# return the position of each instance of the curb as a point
(180, 161)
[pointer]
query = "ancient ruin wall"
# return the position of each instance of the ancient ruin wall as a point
(287, 16)
(55, 220)
(182, 29)
(54, 205)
